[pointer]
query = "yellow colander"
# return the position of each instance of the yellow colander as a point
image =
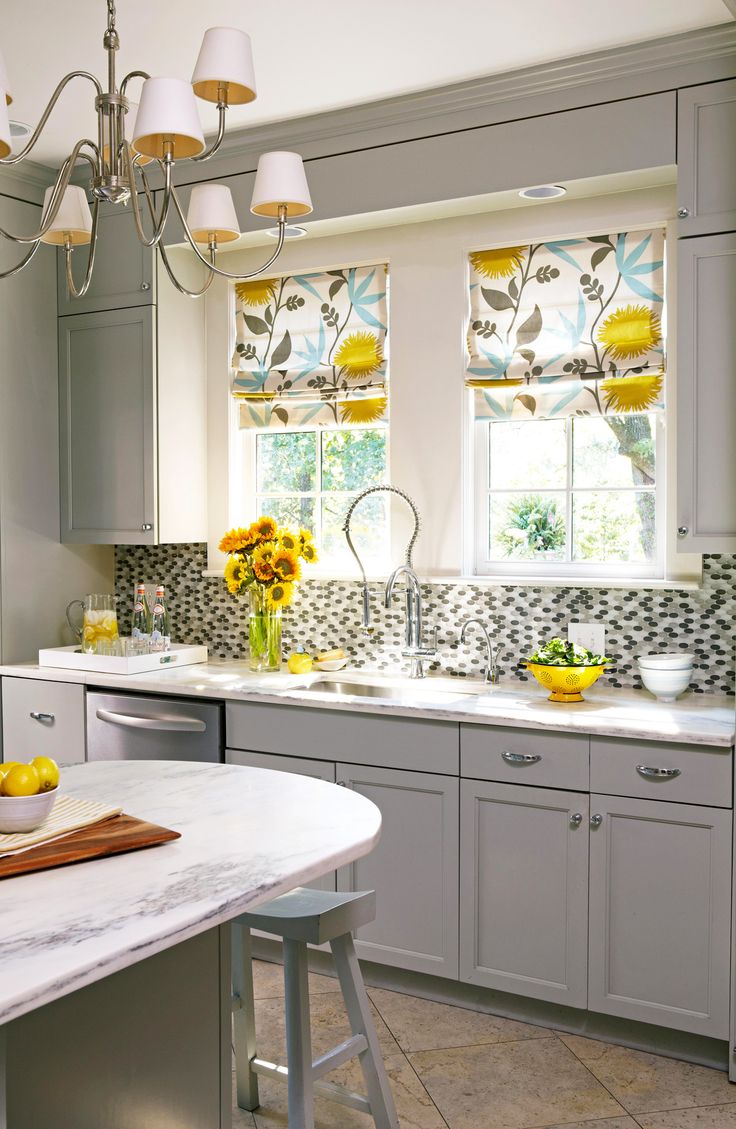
(565, 682)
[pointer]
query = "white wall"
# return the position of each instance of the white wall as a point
(428, 295)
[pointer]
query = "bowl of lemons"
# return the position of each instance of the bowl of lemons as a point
(27, 794)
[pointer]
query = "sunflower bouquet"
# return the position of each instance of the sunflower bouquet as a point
(264, 562)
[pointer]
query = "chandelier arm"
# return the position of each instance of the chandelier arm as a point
(24, 261)
(79, 293)
(217, 270)
(158, 226)
(222, 111)
(133, 74)
(47, 112)
(180, 286)
(62, 182)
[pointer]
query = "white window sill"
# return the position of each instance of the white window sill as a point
(637, 584)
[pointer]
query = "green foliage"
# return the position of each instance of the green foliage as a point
(533, 525)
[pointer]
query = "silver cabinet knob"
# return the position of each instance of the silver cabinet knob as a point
(146, 527)
(576, 819)
(596, 820)
(145, 286)
(682, 530)
(683, 213)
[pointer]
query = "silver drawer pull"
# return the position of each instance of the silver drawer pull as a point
(164, 724)
(521, 758)
(657, 773)
(46, 718)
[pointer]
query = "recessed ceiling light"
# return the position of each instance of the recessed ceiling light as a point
(542, 192)
(20, 129)
(291, 231)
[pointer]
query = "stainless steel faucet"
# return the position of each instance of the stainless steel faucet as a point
(413, 629)
(492, 672)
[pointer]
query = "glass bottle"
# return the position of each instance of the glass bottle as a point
(141, 627)
(160, 622)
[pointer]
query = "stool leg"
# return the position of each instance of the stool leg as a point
(244, 1019)
(361, 1023)
(298, 1036)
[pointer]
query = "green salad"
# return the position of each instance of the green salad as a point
(561, 652)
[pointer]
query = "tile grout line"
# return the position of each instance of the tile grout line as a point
(613, 1097)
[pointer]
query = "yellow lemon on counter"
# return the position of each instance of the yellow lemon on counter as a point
(22, 780)
(6, 766)
(48, 772)
(299, 663)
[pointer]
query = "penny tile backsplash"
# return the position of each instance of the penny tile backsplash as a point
(327, 613)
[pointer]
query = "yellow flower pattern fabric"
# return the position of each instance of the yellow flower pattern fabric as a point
(572, 327)
(311, 349)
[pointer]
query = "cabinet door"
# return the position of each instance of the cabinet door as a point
(43, 718)
(524, 890)
(706, 158)
(107, 388)
(706, 395)
(124, 272)
(660, 913)
(320, 770)
(413, 869)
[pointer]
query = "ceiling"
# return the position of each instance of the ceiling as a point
(314, 55)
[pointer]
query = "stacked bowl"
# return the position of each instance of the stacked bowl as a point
(667, 675)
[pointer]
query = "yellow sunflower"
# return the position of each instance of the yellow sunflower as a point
(285, 564)
(289, 540)
(279, 595)
(363, 411)
(499, 263)
(632, 393)
(236, 571)
(264, 528)
(359, 354)
(630, 332)
(305, 536)
(263, 561)
(235, 540)
(309, 553)
(257, 293)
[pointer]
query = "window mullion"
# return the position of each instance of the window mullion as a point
(568, 489)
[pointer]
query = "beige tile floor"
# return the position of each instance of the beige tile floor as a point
(452, 1068)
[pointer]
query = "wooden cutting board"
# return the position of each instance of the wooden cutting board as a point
(111, 837)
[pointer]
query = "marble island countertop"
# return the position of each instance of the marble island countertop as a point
(248, 834)
(703, 719)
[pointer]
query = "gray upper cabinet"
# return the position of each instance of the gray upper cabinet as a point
(706, 158)
(706, 395)
(660, 910)
(124, 272)
(414, 869)
(107, 388)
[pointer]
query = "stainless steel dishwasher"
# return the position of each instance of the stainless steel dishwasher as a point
(139, 727)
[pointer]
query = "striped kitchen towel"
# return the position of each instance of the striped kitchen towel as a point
(66, 815)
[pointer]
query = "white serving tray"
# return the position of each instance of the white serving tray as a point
(72, 658)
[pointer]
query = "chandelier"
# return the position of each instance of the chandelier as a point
(166, 129)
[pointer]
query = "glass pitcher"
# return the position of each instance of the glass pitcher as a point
(99, 621)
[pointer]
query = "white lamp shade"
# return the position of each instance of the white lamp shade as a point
(167, 119)
(73, 223)
(281, 181)
(4, 127)
(211, 215)
(224, 69)
(4, 84)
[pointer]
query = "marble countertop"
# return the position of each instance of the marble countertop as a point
(248, 834)
(701, 719)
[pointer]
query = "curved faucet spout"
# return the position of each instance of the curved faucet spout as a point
(412, 581)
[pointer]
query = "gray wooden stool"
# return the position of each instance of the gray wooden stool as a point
(309, 917)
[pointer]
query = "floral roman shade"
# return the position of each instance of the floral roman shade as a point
(311, 348)
(567, 328)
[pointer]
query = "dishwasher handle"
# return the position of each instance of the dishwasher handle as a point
(165, 724)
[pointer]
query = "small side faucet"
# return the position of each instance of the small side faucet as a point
(413, 629)
(492, 671)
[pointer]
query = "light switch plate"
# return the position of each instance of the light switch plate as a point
(590, 635)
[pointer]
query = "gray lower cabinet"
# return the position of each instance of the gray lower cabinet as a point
(414, 869)
(320, 770)
(660, 911)
(706, 158)
(524, 890)
(706, 394)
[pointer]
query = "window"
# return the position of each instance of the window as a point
(571, 495)
(567, 371)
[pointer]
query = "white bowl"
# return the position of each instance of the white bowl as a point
(330, 664)
(665, 684)
(25, 813)
(671, 661)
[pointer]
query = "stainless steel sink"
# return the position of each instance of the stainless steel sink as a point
(385, 690)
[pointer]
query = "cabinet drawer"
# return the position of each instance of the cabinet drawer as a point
(525, 756)
(396, 742)
(59, 729)
(689, 774)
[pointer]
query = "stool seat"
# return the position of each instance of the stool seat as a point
(314, 916)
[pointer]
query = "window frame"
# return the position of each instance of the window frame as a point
(568, 569)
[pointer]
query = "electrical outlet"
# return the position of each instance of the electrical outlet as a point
(590, 635)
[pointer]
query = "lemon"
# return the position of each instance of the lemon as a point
(48, 772)
(22, 780)
(331, 656)
(299, 663)
(6, 766)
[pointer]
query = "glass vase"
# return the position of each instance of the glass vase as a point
(264, 632)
